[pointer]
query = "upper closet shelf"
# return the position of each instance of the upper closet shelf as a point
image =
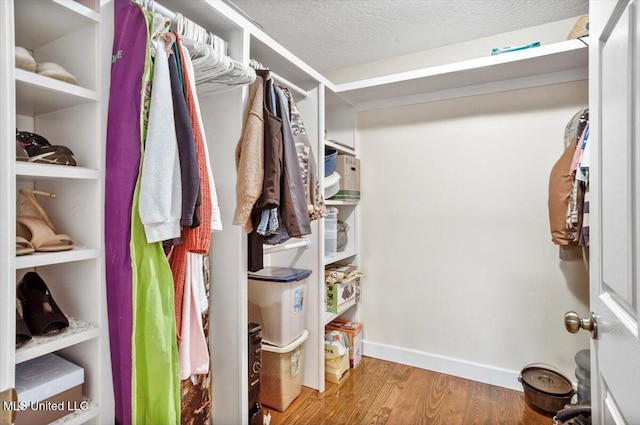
(567, 55)
(40, 22)
(37, 95)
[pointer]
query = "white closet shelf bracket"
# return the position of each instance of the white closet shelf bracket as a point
(302, 243)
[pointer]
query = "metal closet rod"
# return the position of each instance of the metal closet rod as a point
(284, 82)
(302, 243)
(156, 7)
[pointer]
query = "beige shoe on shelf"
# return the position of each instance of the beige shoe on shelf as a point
(34, 225)
(28, 205)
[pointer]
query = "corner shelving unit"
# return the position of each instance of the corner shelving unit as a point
(69, 115)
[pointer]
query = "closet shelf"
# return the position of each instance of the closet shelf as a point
(328, 317)
(553, 58)
(339, 256)
(37, 95)
(39, 259)
(77, 332)
(338, 202)
(340, 148)
(40, 22)
(80, 416)
(46, 171)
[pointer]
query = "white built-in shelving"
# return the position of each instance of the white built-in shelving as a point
(339, 256)
(77, 332)
(46, 171)
(569, 56)
(68, 33)
(40, 259)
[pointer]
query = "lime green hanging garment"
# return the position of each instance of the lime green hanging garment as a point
(155, 381)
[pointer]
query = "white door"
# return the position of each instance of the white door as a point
(614, 79)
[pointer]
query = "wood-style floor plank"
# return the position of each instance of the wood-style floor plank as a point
(378, 392)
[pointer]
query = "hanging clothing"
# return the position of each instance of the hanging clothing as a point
(308, 166)
(122, 165)
(562, 192)
(250, 157)
(155, 383)
(574, 208)
(192, 348)
(161, 183)
(189, 174)
(196, 240)
(270, 197)
(293, 206)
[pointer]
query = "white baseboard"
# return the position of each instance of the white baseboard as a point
(450, 366)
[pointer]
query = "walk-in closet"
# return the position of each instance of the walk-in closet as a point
(198, 226)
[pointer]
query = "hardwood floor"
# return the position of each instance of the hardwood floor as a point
(378, 392)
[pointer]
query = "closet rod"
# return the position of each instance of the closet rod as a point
(284, 82)
(302, 243)
(156, 7)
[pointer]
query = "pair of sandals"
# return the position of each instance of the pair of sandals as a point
(25, 60)
(34, 229)
(35, 148)
(40, 313)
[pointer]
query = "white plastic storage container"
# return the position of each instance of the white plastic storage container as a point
(276, 302)
(281, 373)
(331, 232)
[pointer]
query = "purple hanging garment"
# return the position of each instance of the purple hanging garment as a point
(122, 163)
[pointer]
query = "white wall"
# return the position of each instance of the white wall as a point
(546, 34)
(461, 273)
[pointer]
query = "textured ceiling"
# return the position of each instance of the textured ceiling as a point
(333, 34)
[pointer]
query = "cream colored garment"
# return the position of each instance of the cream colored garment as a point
(216, 222)
(250, 157)
(161, 182)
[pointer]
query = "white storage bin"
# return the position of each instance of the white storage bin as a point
(331, 232)
(281, 373)
(276, 296)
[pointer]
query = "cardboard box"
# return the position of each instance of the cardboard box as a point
(340, 296)
(353, 330)
(49, 387)
(336, 367)
(349, 169)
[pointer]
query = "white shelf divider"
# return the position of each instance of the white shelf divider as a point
(37, 95)
(47, 171)
(339, 256)
(339, 202)
(39, 259)
(77, 332)
(340, 148)
(328, 317)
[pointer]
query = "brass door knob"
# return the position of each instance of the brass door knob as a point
(574, 323)
(8, 398)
